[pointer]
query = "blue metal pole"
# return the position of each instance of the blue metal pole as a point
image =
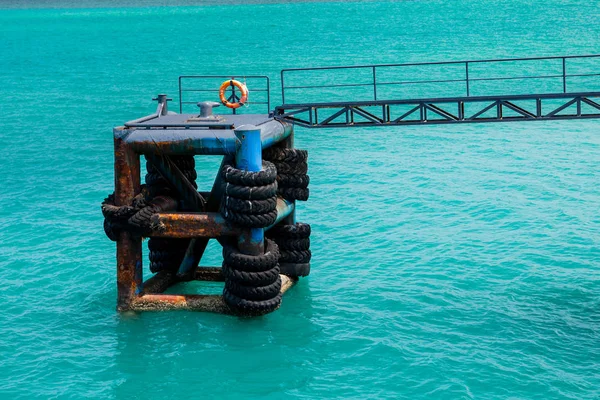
(249, 157)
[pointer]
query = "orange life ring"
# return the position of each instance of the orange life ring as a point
(242, 88)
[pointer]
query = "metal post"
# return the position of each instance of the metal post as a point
(249, 157)
(467, 76)
(564, 65)
(180, 99)
(129, 248)
(374, 84)
(282, 89)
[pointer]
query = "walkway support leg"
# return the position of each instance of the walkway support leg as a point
(129, 247)
(249, 157)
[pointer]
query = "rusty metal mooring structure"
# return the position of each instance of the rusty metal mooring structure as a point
(251, 207)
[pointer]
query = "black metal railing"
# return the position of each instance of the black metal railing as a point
(566, 67)
(258, 85)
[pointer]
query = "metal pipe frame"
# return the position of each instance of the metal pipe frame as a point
(439, 110)
(136, 295)
(206, 303)
(198, 141)
(186, 225)
(129, 247)
(249, 158)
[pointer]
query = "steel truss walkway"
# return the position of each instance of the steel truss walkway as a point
(375, 98)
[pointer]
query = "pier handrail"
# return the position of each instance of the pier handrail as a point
(215, 90)
(464, 78)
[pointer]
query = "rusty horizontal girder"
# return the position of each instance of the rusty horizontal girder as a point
(207, 303)
(182, 225)
(185, 225)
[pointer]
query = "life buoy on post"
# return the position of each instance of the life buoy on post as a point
(233, 83)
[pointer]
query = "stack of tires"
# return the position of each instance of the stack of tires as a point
(167, 254)
(250, 198)
(252, 282)
(292, 168)
(293, 240)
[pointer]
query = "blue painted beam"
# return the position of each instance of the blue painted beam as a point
(197, 141)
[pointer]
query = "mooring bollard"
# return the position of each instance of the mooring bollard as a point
(249, 157)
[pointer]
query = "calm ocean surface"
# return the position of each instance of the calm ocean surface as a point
(448, 261)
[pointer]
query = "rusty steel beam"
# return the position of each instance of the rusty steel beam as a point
(202, 141)
(207, 225)
(207, 303)
(160, 282)
(129, 247)
(182, 225)
(210, 274)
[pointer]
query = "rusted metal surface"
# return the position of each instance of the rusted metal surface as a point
(285, 208)
(160, 282)
(190, 302)
(182, 225)
(197, 226)
(171, 141)
(211, 274)
(129, 247)
(206, 303)
(185, 225)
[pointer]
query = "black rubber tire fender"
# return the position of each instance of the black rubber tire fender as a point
(254, 292)
(251, 307)
(299, 230)
(248, 263)
(261, 278)
(295, 270)
(289, 156)
(250, 206)
(251, 192)
(294, 193)
(156, 179)
(293, 169)
(293, 181)
(295, 257)
(111, 232)
(240, 177)
(292, 244)
(249, 220)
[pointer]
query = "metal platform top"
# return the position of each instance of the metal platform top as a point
(191, 121)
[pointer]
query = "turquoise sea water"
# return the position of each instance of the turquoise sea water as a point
(448, 261)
